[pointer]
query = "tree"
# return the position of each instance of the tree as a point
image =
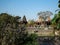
(44, 15)
(31, 22)
(10, 31)
(59, 4)
(18, 18)
(24, 20)
(56, 19)
(8, 26)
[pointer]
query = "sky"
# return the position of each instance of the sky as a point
(29, 8)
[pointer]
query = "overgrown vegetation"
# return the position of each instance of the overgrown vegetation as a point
(13, 33)
(56, 19)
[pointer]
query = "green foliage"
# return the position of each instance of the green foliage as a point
(13, 34)
(8, 26)
(31, 22)
(59, 4)
(32, 39)
(26, 39)
(56, 20)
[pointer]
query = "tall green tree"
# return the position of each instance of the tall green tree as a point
(8, 26)
(11, 33)
(56, 19)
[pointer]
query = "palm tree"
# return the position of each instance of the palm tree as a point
(59, 4)
(56, 18)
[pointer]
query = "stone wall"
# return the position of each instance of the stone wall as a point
(40, 32)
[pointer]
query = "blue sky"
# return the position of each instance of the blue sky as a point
(29, 8)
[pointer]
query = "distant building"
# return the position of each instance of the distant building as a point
(41, 21)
